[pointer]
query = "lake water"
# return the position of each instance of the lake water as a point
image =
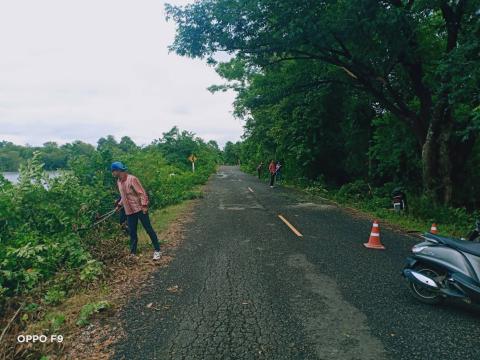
(12, 176)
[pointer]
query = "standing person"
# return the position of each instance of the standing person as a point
(260, 169)
(278, 173)
(272, 168)
(134, 200)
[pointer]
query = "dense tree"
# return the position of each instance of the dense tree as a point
(10, 156)
(9, 160)
(127, 144)
(231, 153)
(416, 61)
(78, 148)
(178, 145)
(107, 143)
(52, 156)
(56, 157)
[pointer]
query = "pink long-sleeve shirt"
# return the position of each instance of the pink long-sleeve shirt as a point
(134, 196)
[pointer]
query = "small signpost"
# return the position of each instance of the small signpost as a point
(192, 159)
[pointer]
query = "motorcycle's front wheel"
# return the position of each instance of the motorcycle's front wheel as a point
(423, 294)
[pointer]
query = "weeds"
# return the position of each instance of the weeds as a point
(90, 309)
(420, 214)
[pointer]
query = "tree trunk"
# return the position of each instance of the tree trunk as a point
(429, 174)
(445, 162)
(436, 154)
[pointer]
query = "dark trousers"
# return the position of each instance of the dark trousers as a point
(272, 179)
(259, 173)
(123, 221)
(132, 221)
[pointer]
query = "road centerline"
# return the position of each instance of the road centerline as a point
(294, 230)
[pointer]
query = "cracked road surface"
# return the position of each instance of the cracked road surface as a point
(250, 288)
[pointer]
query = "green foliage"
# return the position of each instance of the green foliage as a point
(377, 201)
(38, 232)
(56, 321)
(51, 155)
(349, 89)
(231, 153)
(30, 308)
(394, 154)
(91, 270)
(45, 233)
(89, 310)
(355, 191)
(316, 188)
(54, 296)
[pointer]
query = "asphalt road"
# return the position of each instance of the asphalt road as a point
(250, 288)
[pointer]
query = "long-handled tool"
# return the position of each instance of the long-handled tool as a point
(99, 220)
(104, 217)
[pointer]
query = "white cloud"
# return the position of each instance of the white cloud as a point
(85, 69)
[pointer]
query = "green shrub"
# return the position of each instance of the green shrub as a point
(420, 214)
(355, 191)
(317, 187)
(45, 222)
(89, 309)
(56, 321)
(54, 296)
(91, 270)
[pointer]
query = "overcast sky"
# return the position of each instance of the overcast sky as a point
(83, 69)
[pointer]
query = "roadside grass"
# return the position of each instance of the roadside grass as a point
(411, 223)
(160, 220)
(453, 222)
(99, 302)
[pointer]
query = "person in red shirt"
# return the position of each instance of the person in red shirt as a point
(134, 200)
(272, 168)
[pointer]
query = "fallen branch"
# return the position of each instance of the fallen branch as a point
(10, 323)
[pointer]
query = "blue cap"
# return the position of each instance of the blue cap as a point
(117, 165)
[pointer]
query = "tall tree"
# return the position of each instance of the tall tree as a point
(127, 144)
(410, 56)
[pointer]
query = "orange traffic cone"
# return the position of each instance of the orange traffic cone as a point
(374, 241)
(433, 229)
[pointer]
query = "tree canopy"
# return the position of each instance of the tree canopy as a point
(384, 90)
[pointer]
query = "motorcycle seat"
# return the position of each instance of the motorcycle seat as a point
(462, 245)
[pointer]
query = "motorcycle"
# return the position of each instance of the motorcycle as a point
(442, 267)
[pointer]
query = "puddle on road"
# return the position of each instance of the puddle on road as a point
(336, 329)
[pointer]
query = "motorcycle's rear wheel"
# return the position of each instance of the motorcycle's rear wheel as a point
(423, 294)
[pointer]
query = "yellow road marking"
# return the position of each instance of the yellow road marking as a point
(250, 189)
(295, 231)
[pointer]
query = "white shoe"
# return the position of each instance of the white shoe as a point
(157, 255)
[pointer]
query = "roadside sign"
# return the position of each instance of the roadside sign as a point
(192, 159)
